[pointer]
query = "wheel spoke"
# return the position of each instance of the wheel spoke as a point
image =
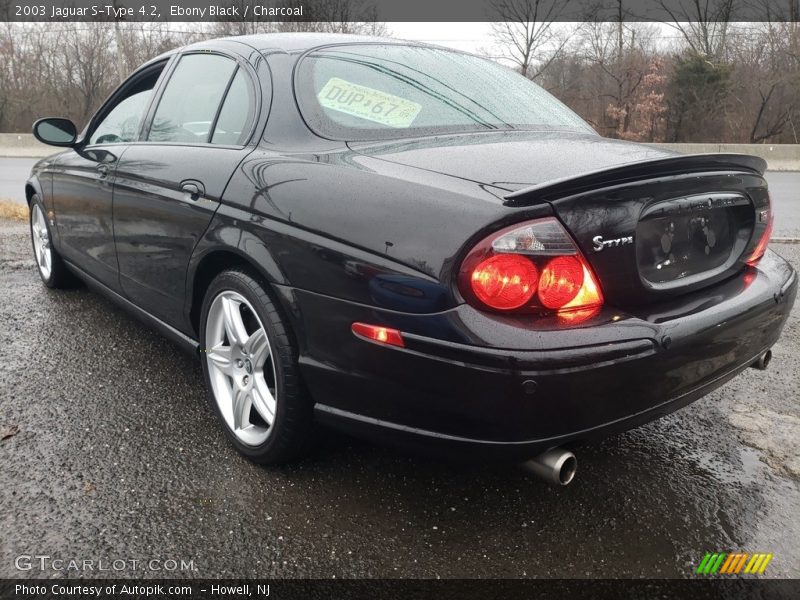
(41, 242)
(264, 403)
(234, 326)
(241, 408)
(221, 357)
(257, 347)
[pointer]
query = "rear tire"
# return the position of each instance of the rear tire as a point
(250, 368)
(52, 270)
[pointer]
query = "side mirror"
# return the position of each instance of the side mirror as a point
(55, 132)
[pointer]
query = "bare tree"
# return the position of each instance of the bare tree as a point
(141, 41)
(703, 24)
(620, 55)
(767, 79)
(87, 65)
(526, 35)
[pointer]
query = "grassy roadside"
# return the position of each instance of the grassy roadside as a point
(13, 210)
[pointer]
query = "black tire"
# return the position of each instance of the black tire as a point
(292, 432)
(60, 277)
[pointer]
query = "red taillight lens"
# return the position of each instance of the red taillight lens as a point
(763, 242)
(561, 281)
(534, 266)
(376, 333)
(505, 281)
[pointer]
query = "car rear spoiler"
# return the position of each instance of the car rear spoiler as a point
(661, 167)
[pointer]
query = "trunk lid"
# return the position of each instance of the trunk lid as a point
(662, 227)
(511, 160)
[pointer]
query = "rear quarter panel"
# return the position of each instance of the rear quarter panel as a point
(334, 225)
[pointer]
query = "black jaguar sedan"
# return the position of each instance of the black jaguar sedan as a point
(409, 243)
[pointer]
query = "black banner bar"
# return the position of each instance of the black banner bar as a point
(399, 10)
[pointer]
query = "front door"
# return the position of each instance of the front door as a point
(82, 188)
(83, 180)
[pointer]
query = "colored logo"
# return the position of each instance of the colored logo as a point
(733, 563)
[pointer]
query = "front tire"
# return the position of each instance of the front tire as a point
(52, 270)
(250, 367)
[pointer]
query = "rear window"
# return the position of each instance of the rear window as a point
(190, 101)
(379, 91)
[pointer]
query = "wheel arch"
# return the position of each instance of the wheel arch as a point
(212, 263)
(34, 187)
(214, 260)
(30, 191)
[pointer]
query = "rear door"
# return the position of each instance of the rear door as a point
(169, 185)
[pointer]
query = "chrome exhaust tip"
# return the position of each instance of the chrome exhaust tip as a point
(556, 466)
(762, 362)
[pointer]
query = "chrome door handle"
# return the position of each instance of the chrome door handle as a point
(194, 189)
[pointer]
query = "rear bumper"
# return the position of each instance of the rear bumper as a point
(456, 389)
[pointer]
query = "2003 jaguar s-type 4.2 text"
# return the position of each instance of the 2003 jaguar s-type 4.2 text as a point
(409, 243)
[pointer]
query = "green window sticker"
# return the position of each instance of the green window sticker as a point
(367, 103)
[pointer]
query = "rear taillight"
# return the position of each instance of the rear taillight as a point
(532, 267)
(505, 281)
(763, 241)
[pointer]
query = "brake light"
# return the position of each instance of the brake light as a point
(561, 281)
(532, 267)
(377, 333)
(505, 281)
(763, 242)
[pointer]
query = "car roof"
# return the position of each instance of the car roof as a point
(286, 42)
(300, 42)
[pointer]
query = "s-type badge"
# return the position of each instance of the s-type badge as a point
(600, 243)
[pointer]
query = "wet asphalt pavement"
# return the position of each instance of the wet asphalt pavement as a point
(119, 457)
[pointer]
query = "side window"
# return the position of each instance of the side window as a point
(190, 101)
(237, 113)
(121, 124)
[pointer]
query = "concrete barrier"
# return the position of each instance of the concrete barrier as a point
(23, 145)
(779, 157)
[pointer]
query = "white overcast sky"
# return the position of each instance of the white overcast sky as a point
(469, 37)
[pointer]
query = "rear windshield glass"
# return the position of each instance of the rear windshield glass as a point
(372, 91)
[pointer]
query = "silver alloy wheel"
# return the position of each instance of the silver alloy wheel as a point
(41, 242)
(241, 367)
